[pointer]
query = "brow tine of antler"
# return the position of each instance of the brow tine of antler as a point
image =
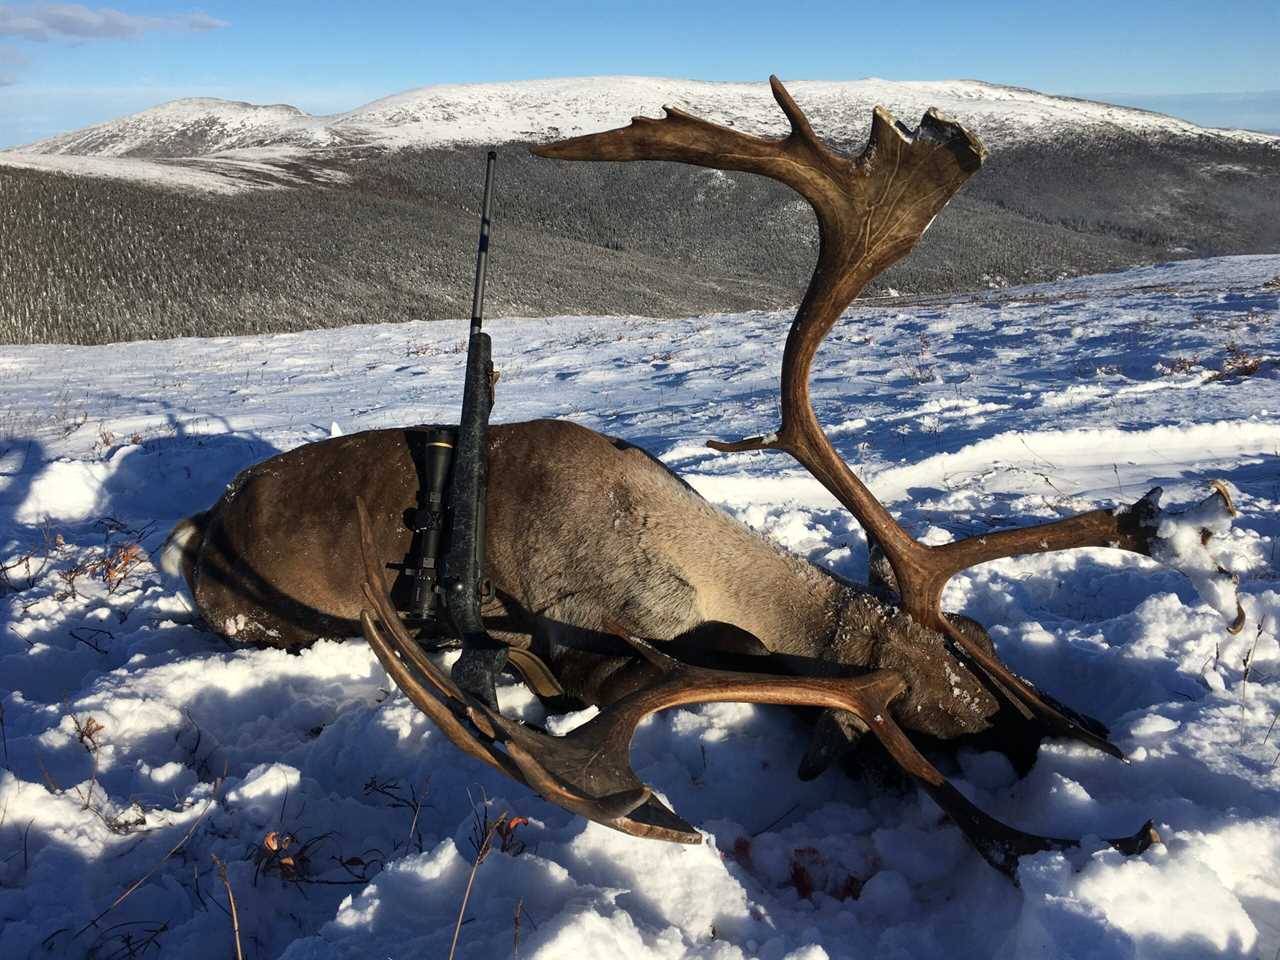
(999, 844)
(589, 773)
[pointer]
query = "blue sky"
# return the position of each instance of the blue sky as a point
(64, 66)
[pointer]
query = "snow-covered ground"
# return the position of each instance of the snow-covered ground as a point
(243, 138)
(137, 747)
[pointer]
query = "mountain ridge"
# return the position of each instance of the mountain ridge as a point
(536, 110)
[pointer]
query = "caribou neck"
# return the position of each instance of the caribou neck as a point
(791, 606)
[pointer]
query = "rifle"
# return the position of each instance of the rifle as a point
(482, 656)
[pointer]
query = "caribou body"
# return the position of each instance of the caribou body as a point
(586, 536)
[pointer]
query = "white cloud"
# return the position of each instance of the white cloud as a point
(42, 22)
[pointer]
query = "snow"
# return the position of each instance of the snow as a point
(1180, 543)
(1041, 401)
(209, 125)
(542, 110)
(223, 174)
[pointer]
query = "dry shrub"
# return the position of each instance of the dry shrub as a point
(1240, 363)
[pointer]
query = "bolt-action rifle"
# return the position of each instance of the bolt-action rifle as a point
(482, 656)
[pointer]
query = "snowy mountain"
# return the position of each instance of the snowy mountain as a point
(539, 110)
(138, 747)
(194, 127)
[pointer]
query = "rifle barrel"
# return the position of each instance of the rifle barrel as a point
(482, 255)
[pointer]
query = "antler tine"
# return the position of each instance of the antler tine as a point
(800, 125)
(684, 138)
(999, 844)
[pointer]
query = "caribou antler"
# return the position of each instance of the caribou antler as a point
(588, 772)
(871, 211)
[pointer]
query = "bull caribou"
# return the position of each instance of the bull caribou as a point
(615, 584)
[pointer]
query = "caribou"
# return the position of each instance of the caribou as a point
(615, 584)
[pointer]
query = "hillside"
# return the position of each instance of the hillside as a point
(1005, 408)
(153, 227)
